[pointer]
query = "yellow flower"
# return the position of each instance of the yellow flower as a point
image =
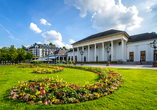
(44, 91)
(40, 102)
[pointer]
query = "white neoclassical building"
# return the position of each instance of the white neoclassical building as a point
(123, 47)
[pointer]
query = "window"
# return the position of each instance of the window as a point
(143, 55)
(155, 52)
(120, 43)
(131, 56)
(96, 58)
(84, 58)
(76, 58)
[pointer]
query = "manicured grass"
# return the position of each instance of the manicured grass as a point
(139, 90)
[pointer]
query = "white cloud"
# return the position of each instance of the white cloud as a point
(148, 9)
(27, 46)
(147, 5)
(71, 41)
(55, 38)
(108, 14)
(35, 28)
(11, 36)
(38, 42)
(44, 22)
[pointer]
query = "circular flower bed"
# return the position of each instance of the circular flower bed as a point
(54, 91)
(46, 71)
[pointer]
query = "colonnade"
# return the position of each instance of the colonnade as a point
(95, 51)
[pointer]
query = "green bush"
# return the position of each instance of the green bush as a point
(63, 61)
(58, 61)
(113, 62)
(70, 61)
(37, 62)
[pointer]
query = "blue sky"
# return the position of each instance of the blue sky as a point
(62, 22)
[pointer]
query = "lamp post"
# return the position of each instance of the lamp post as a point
(55, 57)
(154, 45)
(108, 49)
(81, 52)
(48, 54)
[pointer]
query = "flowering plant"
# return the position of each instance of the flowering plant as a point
(55, 91)
(45, 71)
(27, 66)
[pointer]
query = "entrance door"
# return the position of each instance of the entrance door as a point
(143, 55)
(131, 56)
(96, 58)
(155, 52)
(84, 58)
(76, 58)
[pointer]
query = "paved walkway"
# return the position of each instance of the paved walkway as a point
(122, 66)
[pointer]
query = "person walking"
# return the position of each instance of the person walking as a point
(141, 61)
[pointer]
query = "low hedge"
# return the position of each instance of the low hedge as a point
(99, 62)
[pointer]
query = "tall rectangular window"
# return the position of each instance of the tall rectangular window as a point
(143, 55)
(131, 56)
(155, 55)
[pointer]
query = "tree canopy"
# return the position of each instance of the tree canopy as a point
(11, 54)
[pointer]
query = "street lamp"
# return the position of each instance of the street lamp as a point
(48, 54)
(108, 49)
(154, 45)
(81, 52)
(55, 57)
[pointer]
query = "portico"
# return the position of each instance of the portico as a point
(94, 50)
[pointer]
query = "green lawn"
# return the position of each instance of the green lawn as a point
(139, 90)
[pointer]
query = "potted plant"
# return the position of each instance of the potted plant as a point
(58, 61)
(63, 61)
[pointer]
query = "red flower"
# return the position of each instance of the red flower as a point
(31, 102)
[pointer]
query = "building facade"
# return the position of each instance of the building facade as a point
(40, 50)
(123, 47)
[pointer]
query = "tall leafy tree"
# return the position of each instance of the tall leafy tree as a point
(23, 47)
(12, 54)
(52, 44)
(64, 47)
(4, 54)
(0, 56)
(21, 54)
(29, 56)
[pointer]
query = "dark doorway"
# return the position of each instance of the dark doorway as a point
(131, 56)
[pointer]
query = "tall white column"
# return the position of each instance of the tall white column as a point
(73, 55)
(94, 52)
(88, 53)
(122, 42)
(111, 50)
(102, 51)
(77, 54)
(83, 53)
